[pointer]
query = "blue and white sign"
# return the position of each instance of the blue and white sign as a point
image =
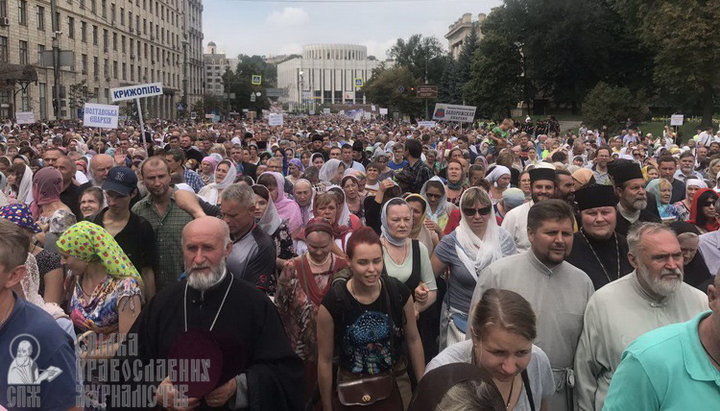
(100, 115)
(138, 91)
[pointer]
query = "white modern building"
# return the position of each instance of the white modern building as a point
(216, 64)
(326, 74)
(460, 30)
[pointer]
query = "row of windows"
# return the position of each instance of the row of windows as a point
(336, 54)
(142, 73)
(157, 33)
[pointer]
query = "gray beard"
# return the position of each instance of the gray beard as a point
(203, 282)
(659, 286)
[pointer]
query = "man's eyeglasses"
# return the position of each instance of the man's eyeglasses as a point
(469, 212)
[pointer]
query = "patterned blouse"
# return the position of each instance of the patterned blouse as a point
(298, 296)
(99, 311)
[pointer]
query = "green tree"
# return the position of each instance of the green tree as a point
(495, 84)
(611, 106)
(79, 94)
(451, 88)
(463, 68)
(239, 82)
(422, 56)
(684, 38)
(564, 57)
(394, 88)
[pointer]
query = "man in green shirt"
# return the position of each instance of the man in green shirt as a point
(675, 367)
(166, 217)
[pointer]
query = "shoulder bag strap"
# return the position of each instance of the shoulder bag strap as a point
(415, 277)
(528, 390)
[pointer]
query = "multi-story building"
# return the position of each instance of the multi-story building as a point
(216, 64)
(326, 73)
(458, 32)
(114, 43)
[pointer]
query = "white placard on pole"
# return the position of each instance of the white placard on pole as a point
(383, 111)
(426, 124)
(454, 112)
(326, 111)
(135, 92)
(100, 115)
(24, 117)
(275, 119)
(677, 119)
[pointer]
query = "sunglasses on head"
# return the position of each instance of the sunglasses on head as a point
(472, 211)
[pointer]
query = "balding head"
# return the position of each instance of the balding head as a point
(206, 245)
(100, 165)
(67, 168)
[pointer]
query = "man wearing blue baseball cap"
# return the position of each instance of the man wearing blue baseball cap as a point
(132, 232)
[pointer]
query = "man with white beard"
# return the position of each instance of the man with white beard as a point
(652, 296)
(634, 204)
(215, 317)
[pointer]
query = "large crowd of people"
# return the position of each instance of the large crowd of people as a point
(333, 264)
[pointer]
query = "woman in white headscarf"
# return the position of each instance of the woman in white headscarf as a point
(439, 211)
(269, 220)
(223, 176)
(331, 172)
(499, 179)
(24, 186)
(473, 245)
(683, 206)
(346, 218)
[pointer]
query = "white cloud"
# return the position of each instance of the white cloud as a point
(289, 16)
(378, 49)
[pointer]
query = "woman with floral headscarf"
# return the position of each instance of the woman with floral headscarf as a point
(50, 272)
(107, 294)
(295, 170)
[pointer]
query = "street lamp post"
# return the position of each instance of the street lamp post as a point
(185, 76)
(56, 56)
(301, 89)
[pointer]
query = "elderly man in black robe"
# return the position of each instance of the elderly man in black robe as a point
(597, 248)
(225, 331)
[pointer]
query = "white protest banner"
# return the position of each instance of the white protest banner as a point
(677, 119)
(326, 111)
(367, 116)
(453, 112)
(138, 91)
(24, 117)
(427, 124)
(275, 119)
(100, 115)
(383, 111)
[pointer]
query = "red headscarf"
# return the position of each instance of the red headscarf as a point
(710, 225)
(46, 188)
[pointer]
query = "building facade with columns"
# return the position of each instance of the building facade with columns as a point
(460, 30)
(114, 43)
(326, 74)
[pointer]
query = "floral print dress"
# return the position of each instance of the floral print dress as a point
(100, 311)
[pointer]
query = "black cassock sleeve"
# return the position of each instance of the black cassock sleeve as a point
(275, 375)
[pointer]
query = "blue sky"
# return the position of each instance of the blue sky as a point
(273, 28)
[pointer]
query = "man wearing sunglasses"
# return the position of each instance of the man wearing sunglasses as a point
(542, 186)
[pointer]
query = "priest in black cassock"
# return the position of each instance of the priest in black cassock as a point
(597, 248)
(635, 203)
(223, 336)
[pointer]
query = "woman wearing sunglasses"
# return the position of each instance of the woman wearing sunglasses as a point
(477, 242)
(703, 212)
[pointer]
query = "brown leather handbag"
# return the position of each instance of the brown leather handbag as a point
(379, 393)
